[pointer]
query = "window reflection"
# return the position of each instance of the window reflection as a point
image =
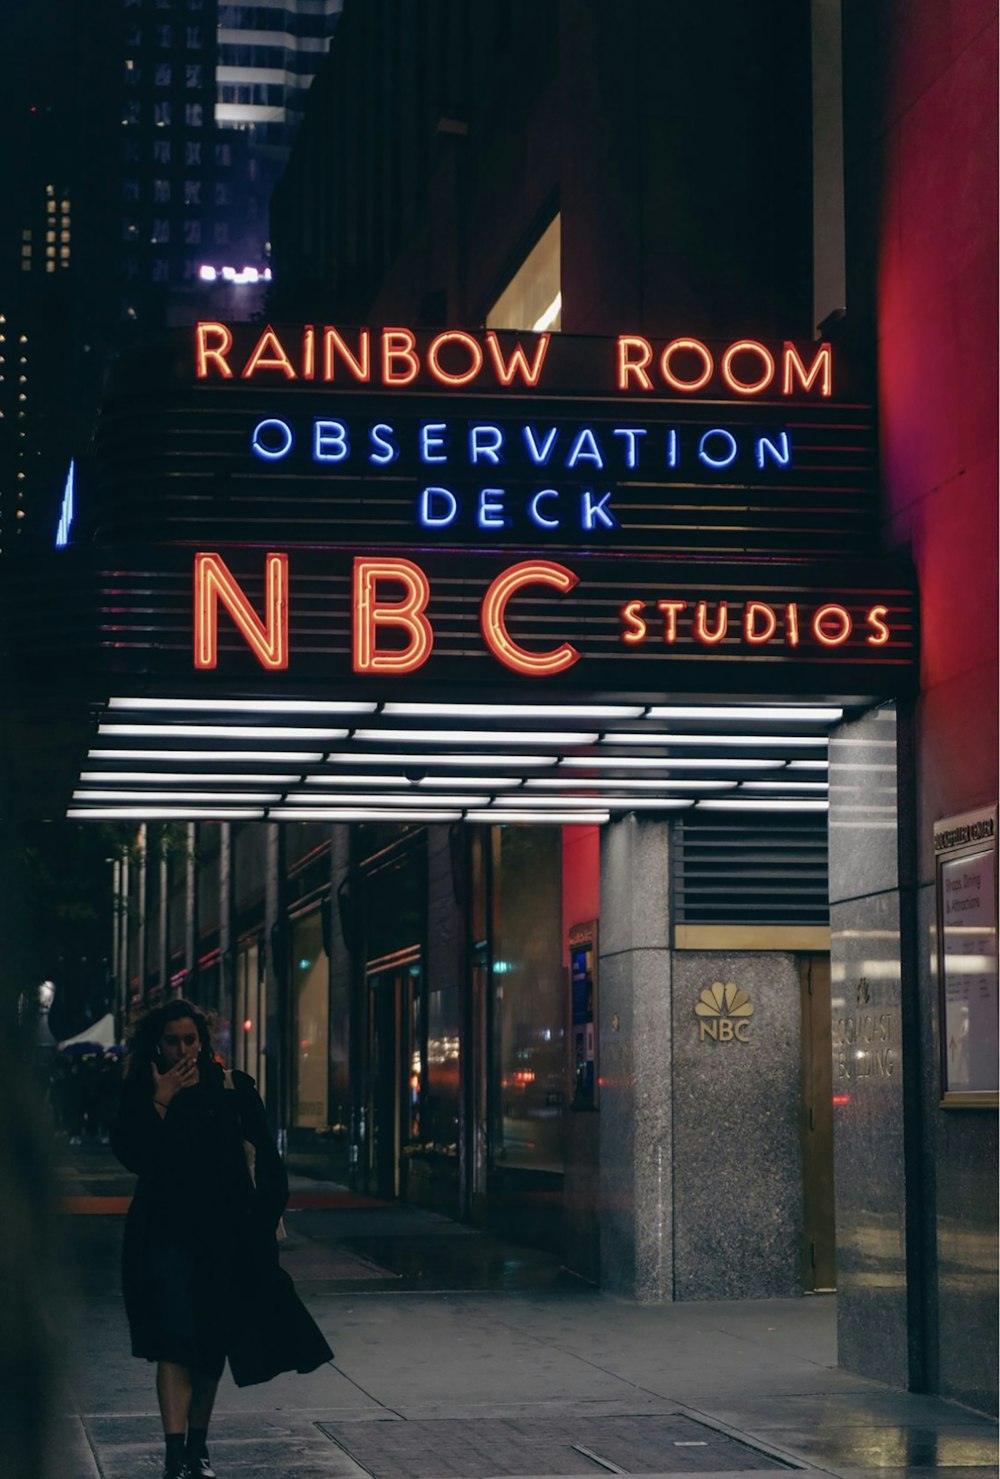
(528, 994)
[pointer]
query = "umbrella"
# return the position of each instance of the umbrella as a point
(99, 1035)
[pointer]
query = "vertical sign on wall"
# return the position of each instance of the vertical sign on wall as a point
(966, 876)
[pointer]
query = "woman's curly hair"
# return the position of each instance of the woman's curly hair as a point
(145, 1036)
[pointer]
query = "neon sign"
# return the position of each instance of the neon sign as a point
(392, 629)
(457, 359)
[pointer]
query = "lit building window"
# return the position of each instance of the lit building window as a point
(161, 114)
(532, 300)
(161, 232)
(192, 115)
(192, 192)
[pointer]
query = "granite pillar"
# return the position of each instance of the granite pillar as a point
(876, 1070)
(736, 1095)
(636, 1164)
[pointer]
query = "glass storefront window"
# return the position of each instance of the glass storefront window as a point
(443, 1027)
(310, 1009)
(251, 1008)
(529, 1004)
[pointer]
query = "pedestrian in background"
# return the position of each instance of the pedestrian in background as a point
(201, 1277)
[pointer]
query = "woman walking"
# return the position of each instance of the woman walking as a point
(200, 1266)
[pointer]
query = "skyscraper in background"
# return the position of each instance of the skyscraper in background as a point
(144, 140)
(268, 54)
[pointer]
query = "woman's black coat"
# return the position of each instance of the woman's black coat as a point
(194, 1193)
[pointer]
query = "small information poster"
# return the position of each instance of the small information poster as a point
(965, 848)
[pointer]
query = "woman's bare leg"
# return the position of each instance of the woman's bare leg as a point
(203, 1393)
(173, 1390)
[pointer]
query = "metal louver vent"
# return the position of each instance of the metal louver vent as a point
(765, 871)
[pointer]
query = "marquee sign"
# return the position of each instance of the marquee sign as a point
(291, 519)
(533, 442)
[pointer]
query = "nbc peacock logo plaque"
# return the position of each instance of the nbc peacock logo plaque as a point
(724, 1010)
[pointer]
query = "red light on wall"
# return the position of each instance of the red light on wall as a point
(214, 582)
(247, 1025)
(841, 1098)
(494, 629)
(408, 614)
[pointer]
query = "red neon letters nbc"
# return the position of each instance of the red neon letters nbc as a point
(493, 614)
(268, 639)
(408, 614)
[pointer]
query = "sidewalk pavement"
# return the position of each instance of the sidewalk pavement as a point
(460, 1357)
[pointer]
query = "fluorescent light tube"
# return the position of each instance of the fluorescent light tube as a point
(637, 783)
(552, 818)
(747, 712)
(799, 741)
(664, 763)
(244, 705)
(361, 757)
(249, 798)
(215, 757)
(164, 813)
(263, 732)
(185, 778)
(514, 711)
(775, 804)
(470, 737)
(376, 798)
(355, 814)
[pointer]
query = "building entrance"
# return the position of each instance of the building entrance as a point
(396, 1070)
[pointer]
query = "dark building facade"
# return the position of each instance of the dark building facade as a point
(733, 169)
(737, 1038)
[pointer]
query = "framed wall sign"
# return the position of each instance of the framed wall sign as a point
(966, 881)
